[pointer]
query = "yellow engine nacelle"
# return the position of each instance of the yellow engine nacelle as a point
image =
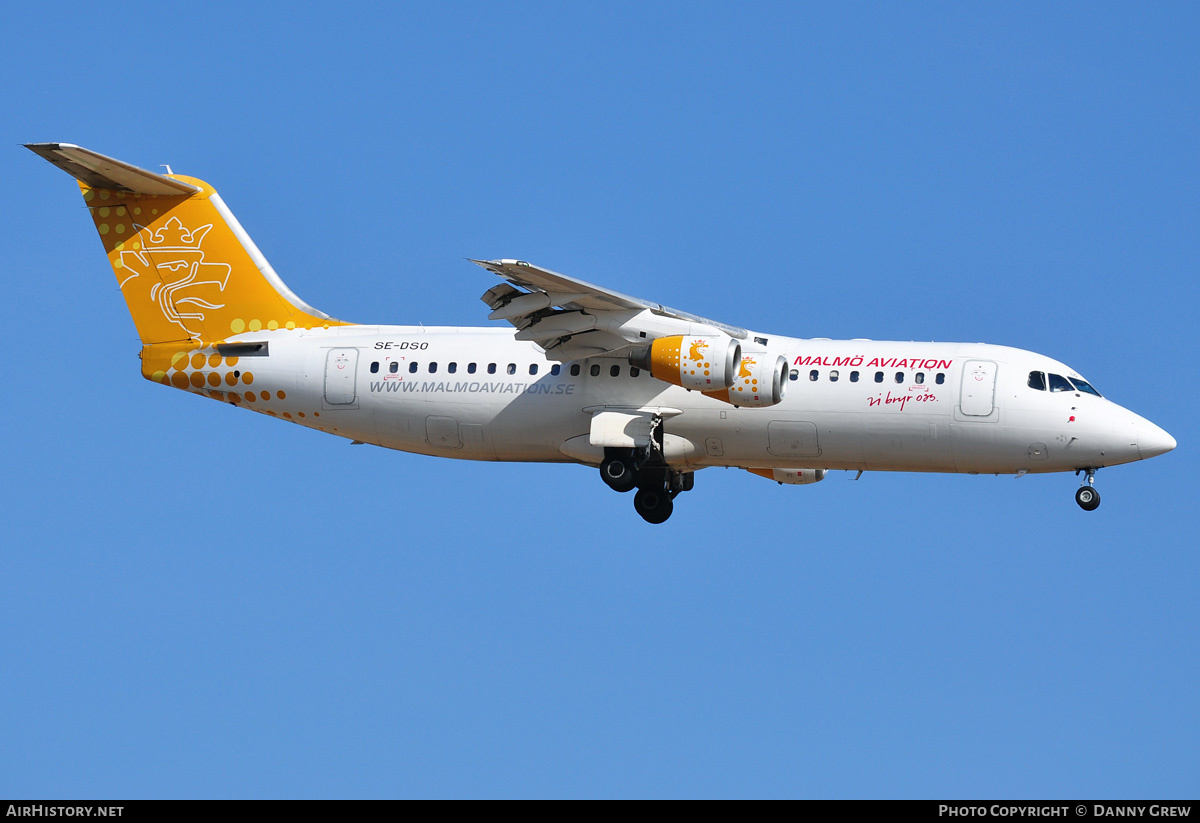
(704, 363)
(760, 381)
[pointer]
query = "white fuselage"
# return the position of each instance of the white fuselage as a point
(478, 394)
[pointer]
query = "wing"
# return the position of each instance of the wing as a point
(572, 319)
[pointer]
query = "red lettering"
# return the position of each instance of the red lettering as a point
(876, 362)
(900, 399)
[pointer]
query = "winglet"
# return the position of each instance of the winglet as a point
(100, 172)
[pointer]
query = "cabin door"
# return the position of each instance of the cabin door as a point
(341, 369)
(978, 388)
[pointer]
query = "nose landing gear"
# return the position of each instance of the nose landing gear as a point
(1087, 497)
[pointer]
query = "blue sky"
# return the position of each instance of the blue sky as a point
(202, 602)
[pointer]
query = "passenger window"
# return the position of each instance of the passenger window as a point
(555, 369)
(940, 379)
(634, 371)
(878, 377)
(412, 367)
(615, 371)
(899, 377)
(813, 375)
(794, 374)
(512, 368)
(375, 367)
(853, 377)
(470, 368)
(833, 375)
(574, 369)
(1037, 380)
(594, 370)
(1060, 383)
(491, 368)
(452, 367)
(432, 367)
(1084, 386)
(920, 377)
(533, 368)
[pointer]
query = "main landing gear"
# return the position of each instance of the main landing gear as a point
(619, 469)
(1087, 497)
(657, 488)
(645, 469)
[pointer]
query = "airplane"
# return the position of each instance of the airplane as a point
(645, 393)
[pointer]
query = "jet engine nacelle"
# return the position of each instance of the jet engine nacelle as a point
(793, 477)
(760, 381)
(701, 362)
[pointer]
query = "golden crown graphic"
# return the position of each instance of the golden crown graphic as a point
(173, 236)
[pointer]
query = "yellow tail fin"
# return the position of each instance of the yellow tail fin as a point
(187, 268)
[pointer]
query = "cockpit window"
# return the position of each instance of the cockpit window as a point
(1084, 386)
(1060, 383)
(1037, 380)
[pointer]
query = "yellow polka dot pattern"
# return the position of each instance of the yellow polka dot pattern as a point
(205, 371)
(239, 325)
(746, 382)
(684, 360)
(758, 381)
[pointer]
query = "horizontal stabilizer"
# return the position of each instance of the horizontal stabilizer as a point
(100, 172)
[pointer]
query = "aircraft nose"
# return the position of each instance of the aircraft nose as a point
(1153, 441)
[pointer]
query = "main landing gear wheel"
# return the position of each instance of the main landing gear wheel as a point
(1087, 498)
(618, 473)
(654, 505)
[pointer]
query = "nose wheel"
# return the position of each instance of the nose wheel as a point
(1086, 496)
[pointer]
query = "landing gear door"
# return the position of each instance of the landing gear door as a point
(341, 372)
(622, 429)
(978, 388)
